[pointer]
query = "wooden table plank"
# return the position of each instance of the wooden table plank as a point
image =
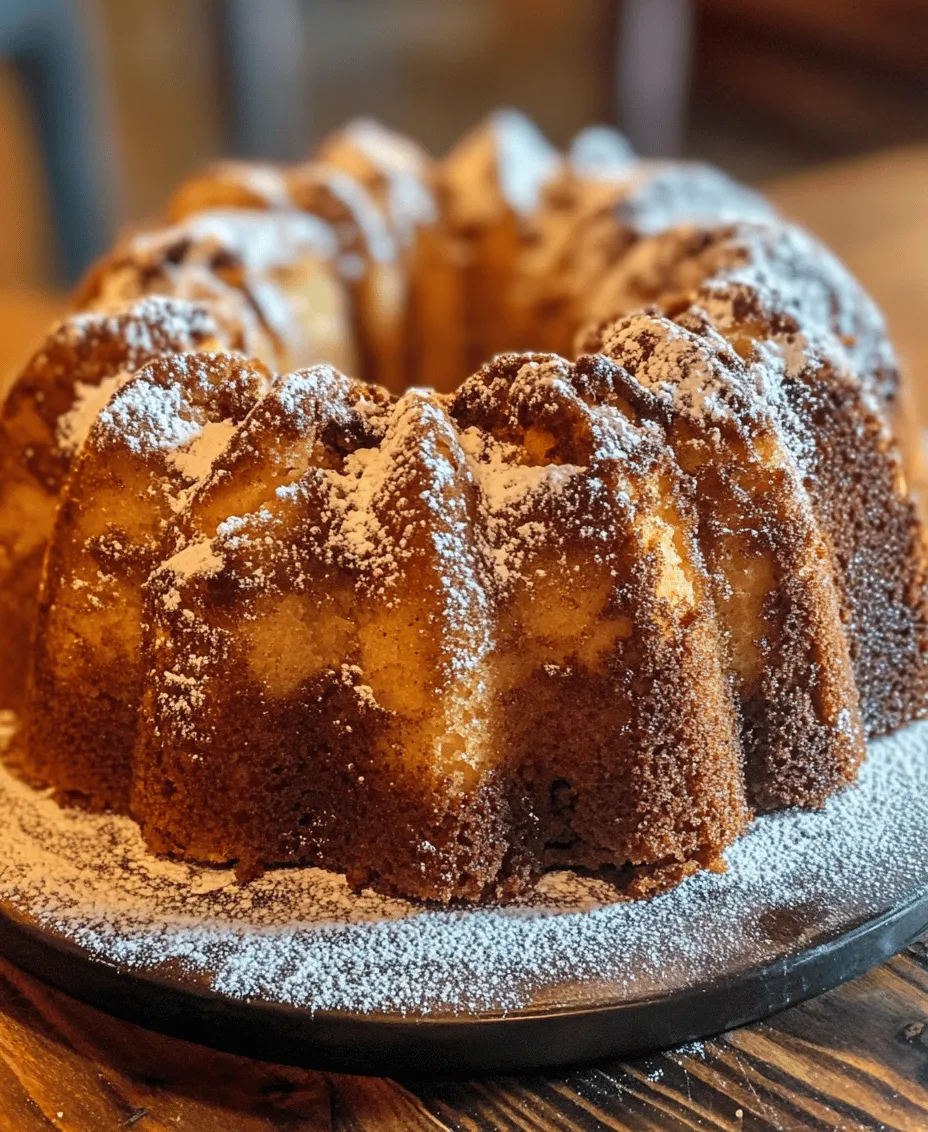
(856, 1057)
(853, 1059)
(24, 318)
(100, 1073)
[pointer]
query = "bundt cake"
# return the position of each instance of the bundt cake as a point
(401, 178)
(603, 545)
(367, 248)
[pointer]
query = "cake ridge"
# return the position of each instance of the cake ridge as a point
(86, 674)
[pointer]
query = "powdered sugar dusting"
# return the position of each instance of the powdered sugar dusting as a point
(791, 274)
(600, 153)
(147, 415)
(776, 275)
(265, 182)
(402, 168)
(525, 161)
(146, 325)
(507, 489)
(367, 472)
(665, 193)
(670, 363)
(361, 228)
(262, 241)
(301, 937)
(503, 480)
(75, 425)
(143, 329)
(199, 558)
(196, 458)
(502, 165)
(384, 148)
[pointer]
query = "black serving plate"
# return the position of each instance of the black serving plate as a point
(872, 902)
(467, 1044)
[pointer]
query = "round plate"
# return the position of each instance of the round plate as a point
(293, 967)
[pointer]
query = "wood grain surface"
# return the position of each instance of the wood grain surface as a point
(855, 1058)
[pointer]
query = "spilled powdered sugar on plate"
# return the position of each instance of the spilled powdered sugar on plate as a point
(301, 937)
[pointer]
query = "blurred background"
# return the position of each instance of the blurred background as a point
(106, 104)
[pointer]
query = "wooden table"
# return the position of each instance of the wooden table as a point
(856, 1058)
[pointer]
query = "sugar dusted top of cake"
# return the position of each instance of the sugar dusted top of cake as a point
(502, 165)
(698, 375)
(182, 405)
(389, 151)
(600, 153)
(195, 460)
(259, 240)
(808, 305)
(89, 400)
(421, 457)
(396, 170)
(149, 325)
(350, 209)
(197, 558)
(665, 193)
(146, 415)
(261, 179)
(502, 479)
(146, 328)
(790, 273)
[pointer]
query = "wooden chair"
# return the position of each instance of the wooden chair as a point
(652, 73)
(50, 44)
(266, 79)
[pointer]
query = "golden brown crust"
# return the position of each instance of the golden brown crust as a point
(786, 304)
(772, 568)
(460, 786)
(145, 449)
(48, 408)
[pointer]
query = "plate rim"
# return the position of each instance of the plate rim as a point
(396, 1042)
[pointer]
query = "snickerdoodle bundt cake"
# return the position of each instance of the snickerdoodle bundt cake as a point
(605, 544)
